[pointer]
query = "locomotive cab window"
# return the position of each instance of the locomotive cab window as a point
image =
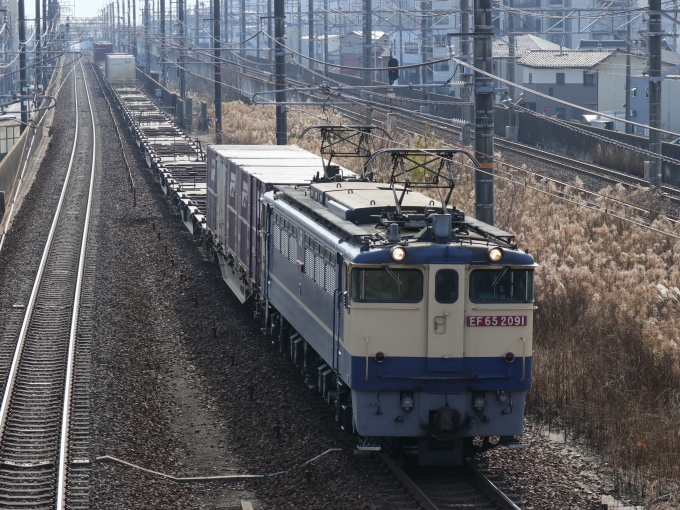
(446, 286)
(387, 285)
(502, 285)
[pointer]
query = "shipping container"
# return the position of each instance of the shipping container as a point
(238, 176)
(101, 49)
(120, 68)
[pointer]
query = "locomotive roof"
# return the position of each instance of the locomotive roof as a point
(368, 195)
(352, 210)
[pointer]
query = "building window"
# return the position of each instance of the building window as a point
(561, 113)
(531, 78)
(441, 67)
(551, 92)
(589, 80)
(411, 48)
(559, 78)
(441, 41)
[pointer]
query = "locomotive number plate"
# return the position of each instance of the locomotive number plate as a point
(497, 320)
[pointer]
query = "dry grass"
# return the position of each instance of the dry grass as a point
(607, 327)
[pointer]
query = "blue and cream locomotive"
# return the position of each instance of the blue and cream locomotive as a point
(411, 318)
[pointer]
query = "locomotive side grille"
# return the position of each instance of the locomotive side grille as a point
(330, 279)
(284, 243)
(309, 263)
(276, 237)
(292, 249)
(319, 266)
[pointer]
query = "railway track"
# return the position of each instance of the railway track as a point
(43, 434)
(450, 133)
(435, 488)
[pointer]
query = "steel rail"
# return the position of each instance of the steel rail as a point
(63, 455)
(32, 435)
(601, 173)
(497, 498)
(605, 174)
(490, 488)
(9, 386)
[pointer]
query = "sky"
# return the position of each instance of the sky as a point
(82, 8)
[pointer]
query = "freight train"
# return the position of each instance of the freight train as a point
(412, 319)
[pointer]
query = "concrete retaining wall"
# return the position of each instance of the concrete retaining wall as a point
(13, 162)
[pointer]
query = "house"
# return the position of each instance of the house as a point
(351, 50)
(639, 103)
(524, 43)
(590, 79)
(319, 40)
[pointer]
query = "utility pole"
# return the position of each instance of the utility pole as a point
(655, 34)
(23, 86)
(484, 180)
(270, 20)
(280, 70)
(118, 24)
(299, 25)
(629, 128)
(227, 20)
(181, 17)
(310, 47)
(38, 53)
(511, 53)
(129, 29)
(147, 44)
(425, 43)
(45, 24)
(198, 27)
(466, 94)
(243, 29)
(162, 30)
(218, 71)
(134, 27)
(325, 37)
(401, 41)
(368, 42)
(675, 26)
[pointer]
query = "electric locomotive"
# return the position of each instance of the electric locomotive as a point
(412, 319)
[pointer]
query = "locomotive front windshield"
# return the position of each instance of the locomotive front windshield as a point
(502, 285)
(387, 285)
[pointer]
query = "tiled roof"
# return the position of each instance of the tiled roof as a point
(670, 57)
(567, 59)
(667, 57)
(523, 45)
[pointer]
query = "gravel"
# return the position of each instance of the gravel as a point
(170, 396)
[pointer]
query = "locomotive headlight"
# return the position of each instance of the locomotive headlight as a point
(495, 254)
(398, 254)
